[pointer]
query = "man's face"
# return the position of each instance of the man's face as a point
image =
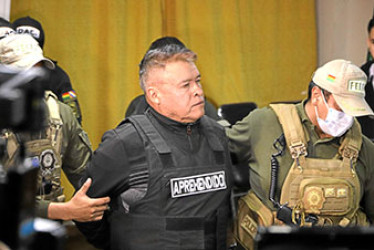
(370, 42)
(321, 105)
(179, 93)
(323, 109)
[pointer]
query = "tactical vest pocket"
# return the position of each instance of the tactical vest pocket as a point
(252, 213)
(326, 196)
(84, 137)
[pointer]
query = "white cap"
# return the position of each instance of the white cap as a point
(21, 52)
(346, 82)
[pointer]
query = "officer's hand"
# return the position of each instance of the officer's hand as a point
(80, 208)
(84, 208)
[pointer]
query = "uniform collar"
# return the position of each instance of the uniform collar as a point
(172, 124)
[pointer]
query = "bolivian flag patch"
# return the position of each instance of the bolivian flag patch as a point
(331, 78)
(69, 95)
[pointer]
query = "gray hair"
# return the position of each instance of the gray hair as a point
(158, 57)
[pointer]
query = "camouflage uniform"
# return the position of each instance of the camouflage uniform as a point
(251, 140)
(63, 145)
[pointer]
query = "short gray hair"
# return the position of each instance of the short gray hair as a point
(160, 56)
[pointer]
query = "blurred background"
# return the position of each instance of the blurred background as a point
(248, 50)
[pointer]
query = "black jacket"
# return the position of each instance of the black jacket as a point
(161, 156)
(366, 122)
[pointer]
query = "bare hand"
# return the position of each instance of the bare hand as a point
(84, 208)
(80, 208)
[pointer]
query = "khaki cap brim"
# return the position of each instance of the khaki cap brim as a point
(29, 61)
(353, 105)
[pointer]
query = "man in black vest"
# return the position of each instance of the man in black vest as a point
(167, 171)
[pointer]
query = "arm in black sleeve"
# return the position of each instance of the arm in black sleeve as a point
(109, 170)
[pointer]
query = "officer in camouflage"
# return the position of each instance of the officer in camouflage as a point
(321, 170)
(59, 82)
(62, 145)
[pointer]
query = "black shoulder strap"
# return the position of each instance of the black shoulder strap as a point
(209, 126)
(142, 123)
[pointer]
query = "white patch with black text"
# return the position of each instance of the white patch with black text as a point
(197, 184)
(357, 86)
(30, 30)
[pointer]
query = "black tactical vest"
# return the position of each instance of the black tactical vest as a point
(185, 207)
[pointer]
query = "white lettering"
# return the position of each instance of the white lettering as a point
(208, 182)
(186, 182)
(216, 181)
(29, 30)
(356, 86)
(192, 185)
(222, 181)
(200, 184)
(181, 185)
(176, 189)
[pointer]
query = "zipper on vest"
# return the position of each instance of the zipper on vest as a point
(189, 132)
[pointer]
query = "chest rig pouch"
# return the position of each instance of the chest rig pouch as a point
(326, 188)
(46, 150)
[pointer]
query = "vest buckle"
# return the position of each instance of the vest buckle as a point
(350, 152)
(298, 149)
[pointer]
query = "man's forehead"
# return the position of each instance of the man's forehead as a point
(173, 72)
(182, 71)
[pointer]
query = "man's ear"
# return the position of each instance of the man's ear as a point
(153, 95)
(316, 95)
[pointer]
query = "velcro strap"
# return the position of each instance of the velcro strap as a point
(190, 224)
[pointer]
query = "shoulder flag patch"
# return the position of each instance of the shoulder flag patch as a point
(197, 184)
(70, 95)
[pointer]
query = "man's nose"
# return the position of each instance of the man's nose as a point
(198, 90)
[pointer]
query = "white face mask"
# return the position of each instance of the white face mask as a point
(336, 122)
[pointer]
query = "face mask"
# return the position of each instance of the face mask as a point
(336, 122)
